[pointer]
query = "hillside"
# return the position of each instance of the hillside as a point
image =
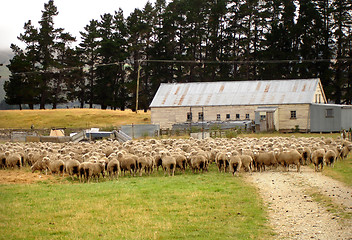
(70, 118)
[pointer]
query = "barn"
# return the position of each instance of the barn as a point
(281, 105)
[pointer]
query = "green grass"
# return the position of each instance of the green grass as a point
(190, 206)
(342, 170)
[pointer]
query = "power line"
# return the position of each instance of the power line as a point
(141, 61)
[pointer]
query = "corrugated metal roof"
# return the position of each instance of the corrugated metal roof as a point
(296, 91)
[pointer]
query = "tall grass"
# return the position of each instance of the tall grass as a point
(190, 206)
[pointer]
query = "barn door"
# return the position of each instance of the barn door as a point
(270, 121)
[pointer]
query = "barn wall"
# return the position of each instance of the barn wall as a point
(165, 117)
(301, 120)
(168, 116)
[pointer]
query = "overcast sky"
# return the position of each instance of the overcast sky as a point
(73, 16)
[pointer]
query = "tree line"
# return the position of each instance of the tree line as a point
(182, 41)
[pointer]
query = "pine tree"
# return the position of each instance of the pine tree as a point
(19, 89)
(46, 50)
(88, 52)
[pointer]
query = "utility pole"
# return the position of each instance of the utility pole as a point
(137, 90)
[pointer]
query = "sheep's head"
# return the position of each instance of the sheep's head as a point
(102, 163)
(234, 153)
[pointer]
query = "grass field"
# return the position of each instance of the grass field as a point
(70, 118)
(190, 206)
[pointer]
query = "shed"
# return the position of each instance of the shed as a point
(330, 117)
(287, 102)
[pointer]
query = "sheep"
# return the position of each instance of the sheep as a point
(168, 163)
(262, 159)
(127, 163)
(290, 157)
(113, 169)
(222, 161)
(247, 162)
(39, 165)
(13, 160)
(197, 162)
(142, 164)
(2, 160)
(181, 162)
(345, 151)
(235, 164)
(85, 171)
(330, 158)
(55, 166)
(72, 167)
(318, 159)
(98, 169)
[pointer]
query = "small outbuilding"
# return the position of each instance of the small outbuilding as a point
(281, 105)
(330, 117)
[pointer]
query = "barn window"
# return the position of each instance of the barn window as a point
(247, 115)
(189, 116)
(218, 117)
(293, 115)
(228, 116)
(200, 116)
(237, 116)
(329, 113)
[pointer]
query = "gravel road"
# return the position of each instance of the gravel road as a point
(292, 211)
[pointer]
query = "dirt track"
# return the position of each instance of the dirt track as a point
(292, 211)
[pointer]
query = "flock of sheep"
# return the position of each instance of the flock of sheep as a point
(92, 160)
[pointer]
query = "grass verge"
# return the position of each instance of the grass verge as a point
(330, 206)
(342, 171)
(190, 206)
